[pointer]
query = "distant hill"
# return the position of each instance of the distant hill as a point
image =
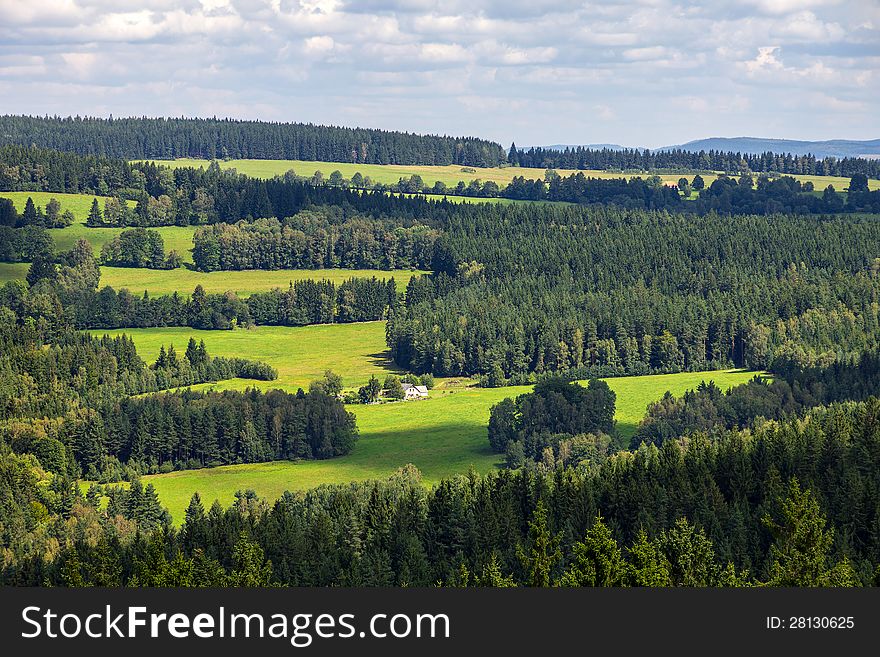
(755, 145)
(595, 147)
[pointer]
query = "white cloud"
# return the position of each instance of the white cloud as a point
(766, 60)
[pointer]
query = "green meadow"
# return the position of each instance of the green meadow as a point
(244, 283)
(300, 354)
(178, 238)
(10, 271)
(442, 436)
(78, 204)
(448, 174)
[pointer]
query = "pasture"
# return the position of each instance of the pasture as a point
(449, 174)
(244, 283)
(300, 354)
(177, 238)
(442, 436)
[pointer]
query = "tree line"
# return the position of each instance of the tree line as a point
(139, 247)
(302, 303)
(635, 159)
(34, 215)
(185, 429)
(169, 138)
(793, 389)
(161, 196)
(725, 195)
(314, 240)
(558, 420)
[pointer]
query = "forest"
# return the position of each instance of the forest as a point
(70, 399)
(314, 240)
(303, 302)
(635, 159)
(603, 292)
(793, 390)
(725, 195)
(770, 483)
(168, 138)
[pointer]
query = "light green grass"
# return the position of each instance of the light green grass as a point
(300, 354)
(450, 174)
(177, 238)
(442, 436)
(11, 271)
(78, 204)
(244, 283)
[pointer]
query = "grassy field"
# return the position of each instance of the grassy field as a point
(300, 354)
(245, 283)
(178, 238)
(442, 436)
(10, 271)
(450, 175)
(78, 204)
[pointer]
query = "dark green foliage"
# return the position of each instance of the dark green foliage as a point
(603, 292)
(304, 302)
(552, 415)
(370, 393)
(168, 138)
(136, 247)
(313, 240)
(189, 429)
(644, 160)
(25, 244)
(793, 390)
(789, 504)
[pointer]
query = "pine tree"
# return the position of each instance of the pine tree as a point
(543, 553)
(30, 215)
(800, 553)
(597, 560)
(96, 217)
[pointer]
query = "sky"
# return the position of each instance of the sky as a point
(637, 72)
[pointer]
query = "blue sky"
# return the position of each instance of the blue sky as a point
(640, 72)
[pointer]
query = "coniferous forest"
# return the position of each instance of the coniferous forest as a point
(168, 138)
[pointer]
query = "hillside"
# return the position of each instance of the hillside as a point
(755, 145)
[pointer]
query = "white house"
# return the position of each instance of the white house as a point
(414, 392)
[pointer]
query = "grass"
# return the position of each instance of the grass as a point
(449, 174)
(442, 436)
(244, 283)
(13, 271)
(78, 204)
(178, 238)
(300, 354)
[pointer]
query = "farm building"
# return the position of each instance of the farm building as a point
(414, 392)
